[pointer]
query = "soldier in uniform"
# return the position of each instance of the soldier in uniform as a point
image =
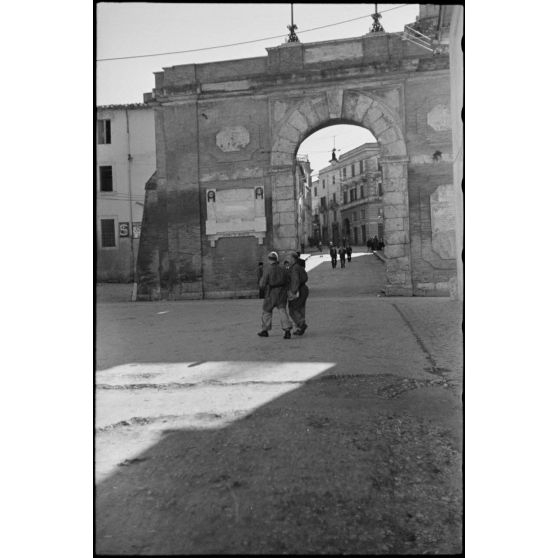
(275, 282)
(298, 293)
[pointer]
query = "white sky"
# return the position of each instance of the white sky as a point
(129, 29)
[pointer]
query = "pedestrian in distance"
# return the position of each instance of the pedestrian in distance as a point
(342, 256)
(320, 248)
(349, 253)
(259, 273)
(375, 243)
(333, 254)
(275, 282)
(298, 293)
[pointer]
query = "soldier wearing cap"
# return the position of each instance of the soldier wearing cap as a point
(298, 292)
(275, 282)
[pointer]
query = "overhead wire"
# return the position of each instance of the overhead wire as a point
(244, 42)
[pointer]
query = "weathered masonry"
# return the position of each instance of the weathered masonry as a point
(227, 134)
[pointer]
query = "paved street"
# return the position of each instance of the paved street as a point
(210, 439)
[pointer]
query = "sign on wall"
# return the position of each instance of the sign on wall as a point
(124, 230)
(136, 229)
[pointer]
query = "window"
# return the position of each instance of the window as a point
(361, 163)
(380, 190)
(362, 190)
(345, 196)
(363, 213)
(315, 191)
(323, 183)
(345, 172)
(334, 200)
(354, 216)
(105, 178)
(103, 131)
(108, 237)
(363, 228)
(352, 169)
(335, 216)
(333, 178)
(323, 202)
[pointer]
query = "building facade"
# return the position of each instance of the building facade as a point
(125, 162)
(348, 197)
(303, 180)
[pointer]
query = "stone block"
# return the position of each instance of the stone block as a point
(289, 133)
(284, 231)
(283, 193)
(371, 116)
(387, 136)
(397, 147)
(298, 121)
(399, 210)
(442, 286)
(283, 205)
(350, 99)
(394, 250)
(286, 218)
(394, 170)
(335, 102)
(281, 159)
(425, 286)
(363, 104)
(307, 110)
(380, 126)
(283, 179)
(396, 278)
(321, 108)
(394, 225)
(395, 185)
(398, 290)
(394, 198)
(396, 237)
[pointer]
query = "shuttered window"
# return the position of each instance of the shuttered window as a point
(103, 131)
(108, 236)
(105, 178)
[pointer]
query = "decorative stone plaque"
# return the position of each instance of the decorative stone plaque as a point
(442, 219)
(439, 118)
(235, 212)
(232, 138)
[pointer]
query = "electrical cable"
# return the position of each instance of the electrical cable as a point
(243, 42)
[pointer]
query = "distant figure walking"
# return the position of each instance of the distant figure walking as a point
(320, 248)
(369, 244)
(342, 255)
(375, 243)
(333, 254)
(275, 282)
(349, 252)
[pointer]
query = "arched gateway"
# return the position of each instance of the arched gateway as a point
(227, 134)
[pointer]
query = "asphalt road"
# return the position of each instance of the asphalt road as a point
(210, 439)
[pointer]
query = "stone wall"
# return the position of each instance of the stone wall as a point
(233, 128)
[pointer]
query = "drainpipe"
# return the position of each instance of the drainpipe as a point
(134, 275)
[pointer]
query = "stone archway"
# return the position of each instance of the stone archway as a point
(346, 106)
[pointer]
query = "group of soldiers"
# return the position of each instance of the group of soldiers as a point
(283, 286)
(375, 243)
(345, 254)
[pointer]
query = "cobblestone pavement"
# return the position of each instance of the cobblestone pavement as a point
(346, 440)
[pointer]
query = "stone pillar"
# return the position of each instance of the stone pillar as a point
(396, 226)
(284, 210)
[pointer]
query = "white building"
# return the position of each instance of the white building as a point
(125, 162)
